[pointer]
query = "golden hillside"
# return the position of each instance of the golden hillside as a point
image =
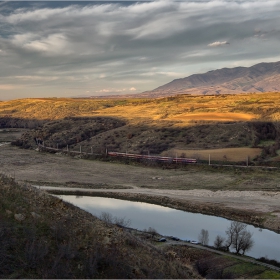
(182, 108)
(182, 122)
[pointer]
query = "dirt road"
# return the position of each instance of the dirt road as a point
(257, 193)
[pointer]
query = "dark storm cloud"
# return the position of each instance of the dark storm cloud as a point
(121, 46)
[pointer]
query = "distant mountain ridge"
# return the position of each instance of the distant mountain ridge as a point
(262, 77)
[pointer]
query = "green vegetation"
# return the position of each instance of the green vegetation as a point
(247, 270)
(268, 274)
(214, 266)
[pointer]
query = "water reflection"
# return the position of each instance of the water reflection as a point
(178, 223)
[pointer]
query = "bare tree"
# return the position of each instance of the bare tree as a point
(152, 231)
(218, 243)
(109, 219)
(246, 241)
(106, 217)
(122, 222)
(233, 233)
(238, 237)
(203, 237)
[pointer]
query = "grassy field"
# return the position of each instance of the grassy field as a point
(186, 108)
(226, 154)
(215, 117)
(214, 266)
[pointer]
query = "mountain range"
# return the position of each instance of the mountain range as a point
(262, 77)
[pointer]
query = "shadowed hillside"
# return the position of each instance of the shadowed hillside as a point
(44, 237)
(149, 125)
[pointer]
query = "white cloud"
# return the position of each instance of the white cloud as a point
(132, 89)
(52, 44)
(218, 44)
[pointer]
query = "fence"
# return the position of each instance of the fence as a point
(123, 155)
(151, 158)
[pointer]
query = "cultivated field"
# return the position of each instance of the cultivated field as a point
(224, 155)
(215, 117)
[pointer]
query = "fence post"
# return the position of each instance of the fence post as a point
(80, 149)
(209, 160)
(91, 150)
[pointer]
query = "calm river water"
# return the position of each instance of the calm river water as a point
(171, 222)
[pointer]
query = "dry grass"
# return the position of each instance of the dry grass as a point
(182, 107)
(151, 125)
(60, 170)
(218, 117)
(226, 154)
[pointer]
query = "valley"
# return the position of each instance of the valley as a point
(233, 130)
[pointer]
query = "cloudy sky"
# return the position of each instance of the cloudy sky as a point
(60, 49)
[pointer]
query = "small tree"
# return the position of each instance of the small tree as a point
(238, 237)
(203, 237)
(106, 217)
(246, 241)
(122, 222)
(109, 219)
(152, 231)
(218, 243)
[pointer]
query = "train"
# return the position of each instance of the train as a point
(153, 158)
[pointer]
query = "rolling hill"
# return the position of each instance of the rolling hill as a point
(182, 122)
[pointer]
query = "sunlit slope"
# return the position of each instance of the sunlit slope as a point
(183, 109)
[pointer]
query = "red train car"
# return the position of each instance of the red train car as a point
(153, 158)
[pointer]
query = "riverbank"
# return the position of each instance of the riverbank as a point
(257, 208)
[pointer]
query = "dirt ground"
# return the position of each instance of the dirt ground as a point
(258, 192)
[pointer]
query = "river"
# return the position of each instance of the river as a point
(172, 222)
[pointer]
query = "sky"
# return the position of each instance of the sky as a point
(79, 49)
